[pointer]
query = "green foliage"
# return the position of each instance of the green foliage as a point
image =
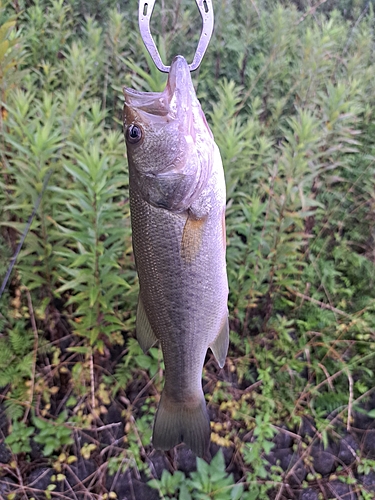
(253, 454)
(135, 360)
(53, 435)
(289, 95)
(94, 233)
(10, 52)
(16, 365)
(209, 481)
(19, 438)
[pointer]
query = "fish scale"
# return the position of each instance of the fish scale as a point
(179, 249)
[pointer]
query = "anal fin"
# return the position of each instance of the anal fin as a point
(145, 335)
(219, 346)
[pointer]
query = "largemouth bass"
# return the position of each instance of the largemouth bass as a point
(177, 204)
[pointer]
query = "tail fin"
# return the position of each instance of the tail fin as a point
(182, 423)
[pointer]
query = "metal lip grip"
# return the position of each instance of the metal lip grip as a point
(144, 16)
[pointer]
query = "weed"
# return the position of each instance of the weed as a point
(289, 93)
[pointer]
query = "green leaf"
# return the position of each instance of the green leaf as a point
(78, 173)
(48, 449)
(94, 293)
(4, 46)
(184, 493)
(236, 492)
(79, 349)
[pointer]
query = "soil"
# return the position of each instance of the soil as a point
(308, 470)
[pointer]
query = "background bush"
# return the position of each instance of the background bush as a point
(289, 92)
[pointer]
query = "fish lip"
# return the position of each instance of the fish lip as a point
(182, 95)
(179, 75)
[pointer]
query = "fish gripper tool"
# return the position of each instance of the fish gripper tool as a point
(144, 16)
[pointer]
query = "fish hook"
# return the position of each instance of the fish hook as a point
(144, 16)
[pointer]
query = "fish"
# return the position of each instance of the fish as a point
(177, 207)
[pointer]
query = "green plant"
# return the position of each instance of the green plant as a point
(135, 360)
(11, 54)
(209, 481)
(16, 363)
(18, 439)
(53, 434)
(254, 456)
(288, 90)
(95, 234)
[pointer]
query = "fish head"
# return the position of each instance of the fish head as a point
(168, 141)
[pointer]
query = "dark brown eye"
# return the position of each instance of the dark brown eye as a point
(134, 134)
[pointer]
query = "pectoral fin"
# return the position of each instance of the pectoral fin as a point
(192, 238)
(145, 335)
(220, 345)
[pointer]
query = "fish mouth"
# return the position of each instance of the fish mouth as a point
(150, 103)
(175, 102)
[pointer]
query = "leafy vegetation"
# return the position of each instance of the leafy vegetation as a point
(206, 482)
(289, 92)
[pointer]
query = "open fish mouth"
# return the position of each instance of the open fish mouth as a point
(174, 103)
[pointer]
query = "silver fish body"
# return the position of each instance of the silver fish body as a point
(177, 202)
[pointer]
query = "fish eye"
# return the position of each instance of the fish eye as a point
(134, 134)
